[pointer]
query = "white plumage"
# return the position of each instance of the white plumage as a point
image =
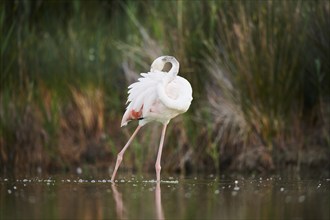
(156, 96)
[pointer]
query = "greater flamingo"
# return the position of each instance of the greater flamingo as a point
(157, 96)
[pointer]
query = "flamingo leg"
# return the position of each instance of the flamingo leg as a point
(159, 155)
(121, 153)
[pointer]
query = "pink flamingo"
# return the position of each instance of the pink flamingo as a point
(157, 96)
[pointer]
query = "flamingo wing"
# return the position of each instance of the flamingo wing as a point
(142, 95)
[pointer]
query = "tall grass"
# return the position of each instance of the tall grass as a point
(259, 64)
(259, 70)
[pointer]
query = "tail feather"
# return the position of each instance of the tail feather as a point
(131, 114)
(125, 119)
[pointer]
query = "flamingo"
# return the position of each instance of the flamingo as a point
(156, 96)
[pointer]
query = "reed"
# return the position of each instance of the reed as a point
(258, 65)
(259, 71)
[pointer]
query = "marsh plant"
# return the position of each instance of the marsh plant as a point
(259, 70)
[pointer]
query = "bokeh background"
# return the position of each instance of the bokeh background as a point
(260, 72)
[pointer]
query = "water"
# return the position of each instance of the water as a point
(195, 197)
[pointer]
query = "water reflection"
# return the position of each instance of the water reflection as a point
(66, 200)
(187, 198)
(158, 202)
(121, 208)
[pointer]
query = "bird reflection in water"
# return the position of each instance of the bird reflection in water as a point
(121, 209)
(158, 202)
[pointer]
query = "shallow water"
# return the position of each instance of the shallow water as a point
(134, 197)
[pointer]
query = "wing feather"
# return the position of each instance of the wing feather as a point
(142, 94)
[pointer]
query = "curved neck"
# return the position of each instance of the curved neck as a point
(175, 67)
(160, 62)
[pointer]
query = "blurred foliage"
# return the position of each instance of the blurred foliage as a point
(260, 72)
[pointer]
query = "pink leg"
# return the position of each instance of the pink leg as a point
(157, 166)
(121, 153)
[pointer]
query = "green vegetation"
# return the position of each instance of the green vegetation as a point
(260, 72)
